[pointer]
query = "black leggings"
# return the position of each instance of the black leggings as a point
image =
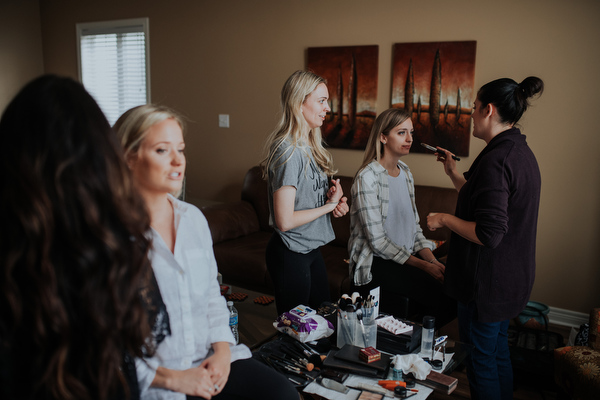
(250, 379)
(400, 281)
(298, 278)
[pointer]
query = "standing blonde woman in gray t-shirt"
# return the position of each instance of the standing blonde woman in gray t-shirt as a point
(297, 168)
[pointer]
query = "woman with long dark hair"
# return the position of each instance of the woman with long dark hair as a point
(75, 279)
(491, 261)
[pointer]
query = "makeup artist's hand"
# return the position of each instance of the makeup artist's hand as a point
(446, 159)
(434, 221)
(218, 366)
(458, 180)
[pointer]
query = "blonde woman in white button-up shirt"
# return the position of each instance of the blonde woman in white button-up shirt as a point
(200, 358)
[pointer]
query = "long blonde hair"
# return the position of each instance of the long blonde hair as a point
(292, 125)
(384, 123)
(132, 127)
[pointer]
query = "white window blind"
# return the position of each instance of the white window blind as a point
(113, 64)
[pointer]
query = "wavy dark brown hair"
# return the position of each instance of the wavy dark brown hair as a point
(73, 255)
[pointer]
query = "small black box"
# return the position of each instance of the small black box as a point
(403, 343)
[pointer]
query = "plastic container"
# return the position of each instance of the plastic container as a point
(346, 325)
(427, 337)
(366, 333)
(351, 331)
(233, 321)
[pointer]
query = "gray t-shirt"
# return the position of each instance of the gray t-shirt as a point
(400, 224)
(302, 172)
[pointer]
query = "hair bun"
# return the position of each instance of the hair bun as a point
(531, 86)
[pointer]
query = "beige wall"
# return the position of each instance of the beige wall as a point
(232, 57)
(20, 46)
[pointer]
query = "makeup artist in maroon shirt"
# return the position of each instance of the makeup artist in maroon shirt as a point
(491, 261)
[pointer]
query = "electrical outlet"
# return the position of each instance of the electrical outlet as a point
(223, 120)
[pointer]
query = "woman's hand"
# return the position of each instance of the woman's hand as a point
(434, 221)
(446, 159)
(286, 217)
(450, 167)
(428, 263)
(342, 208)
(335, 192)
(466, 229)
(218, 366)
(437, 270)
(194, 381)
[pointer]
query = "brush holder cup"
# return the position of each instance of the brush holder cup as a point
(351, 331)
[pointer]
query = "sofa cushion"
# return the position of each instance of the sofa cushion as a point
(338, 272)
(230, 221)
(254, 191)
(577, 371)
(242, 262)
(435, 199)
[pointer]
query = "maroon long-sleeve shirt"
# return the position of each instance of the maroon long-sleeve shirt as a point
(502, 195)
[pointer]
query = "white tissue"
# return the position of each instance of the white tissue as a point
(412, 363)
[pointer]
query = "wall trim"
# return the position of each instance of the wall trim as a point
(559, 316)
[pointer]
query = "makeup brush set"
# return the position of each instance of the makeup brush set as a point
(356, 321)
(295, 358)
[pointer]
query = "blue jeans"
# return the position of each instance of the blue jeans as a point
(488, 366)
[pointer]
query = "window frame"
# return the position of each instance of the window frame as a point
(116, 26)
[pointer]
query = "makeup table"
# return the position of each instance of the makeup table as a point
(255, 324)
(315, 389)
(318, 392)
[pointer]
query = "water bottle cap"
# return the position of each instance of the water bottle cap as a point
(428, 322)
(229, 303)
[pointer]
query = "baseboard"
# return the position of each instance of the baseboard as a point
(559, 316)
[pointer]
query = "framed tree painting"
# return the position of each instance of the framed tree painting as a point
(351, 74)
(434, 82)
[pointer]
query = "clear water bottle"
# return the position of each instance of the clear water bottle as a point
(427, 337)
(233, 321)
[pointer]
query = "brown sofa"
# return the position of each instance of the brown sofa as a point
(240, 232)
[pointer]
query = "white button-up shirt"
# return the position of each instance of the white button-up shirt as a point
(197, 312)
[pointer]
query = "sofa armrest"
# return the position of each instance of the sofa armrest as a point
(231, 220)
